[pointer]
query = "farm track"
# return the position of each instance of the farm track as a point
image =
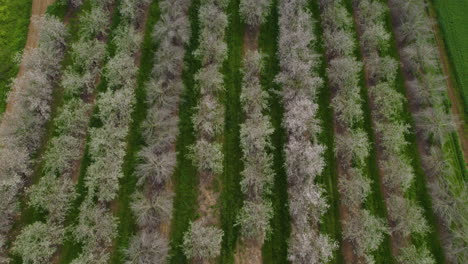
(231, 195)
(122, 205)
(275, 248)
(39, 8)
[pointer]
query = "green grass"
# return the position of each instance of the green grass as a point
(453, 22)
(231, 195)
(275, 249)
(14, 18)
(185, 178)
(60, 8)
(329, 179)
(127, 225)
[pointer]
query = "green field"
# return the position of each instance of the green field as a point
(453, 21)
(14, 21)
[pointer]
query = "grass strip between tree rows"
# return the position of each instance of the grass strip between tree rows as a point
(275, 248)
(185, 178)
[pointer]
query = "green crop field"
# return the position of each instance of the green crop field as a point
(453, 21)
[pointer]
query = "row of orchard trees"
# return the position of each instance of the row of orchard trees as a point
(97, 227)
(152, 203)
(255, 133)
(363, 229)
(406, 216)
(23, 128)
(55, 191)
(203, 239)
(434, 122)
(304, 154)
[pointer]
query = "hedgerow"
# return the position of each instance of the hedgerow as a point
(152, 203)
(398, 175)
(97, 227)
(257, 175)
(55, 191)
(363, 229)
(23, 128)
(434, 123)
(304, 154)
(208, 122)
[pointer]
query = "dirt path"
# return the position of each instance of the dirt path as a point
(39, 7)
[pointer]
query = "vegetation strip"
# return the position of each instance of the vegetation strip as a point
(55, 191)
(23, 129)
(303, 152)
(330, 223)
(152, 203)
(122, 206)
(14, 17)
(202, 241)
(231, 197)
(185, 180)
(275, 248)
(438, 144)
(96, 226)
(409, 227)
(363, 226)
(255, 134)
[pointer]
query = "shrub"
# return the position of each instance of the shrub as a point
(36, 243)
(147, 247)
(254, 220)
(366, 232)
(254, 12)
(412, 255)
(202, 242)
(94, 23)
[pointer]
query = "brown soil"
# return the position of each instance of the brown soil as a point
(248, 252)
(456, 104)
(208, 199)
(251, 39)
